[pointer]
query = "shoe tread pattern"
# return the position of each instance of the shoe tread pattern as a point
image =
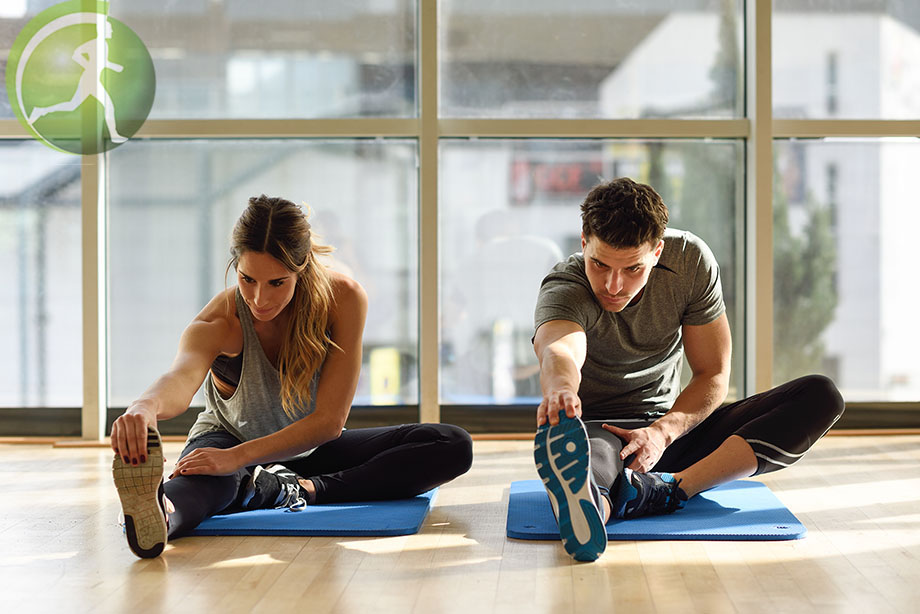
(562, 456)
(140, 488)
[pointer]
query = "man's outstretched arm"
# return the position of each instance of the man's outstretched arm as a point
(560, 346)
(708, 349)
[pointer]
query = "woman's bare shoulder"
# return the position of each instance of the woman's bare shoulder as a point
(219, 321)
(349, 301)
(221, 307)
(345, 290)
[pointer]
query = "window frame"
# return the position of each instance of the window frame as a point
(757, 129)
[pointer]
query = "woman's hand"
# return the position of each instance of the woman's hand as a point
(129, 434)
(209, 461)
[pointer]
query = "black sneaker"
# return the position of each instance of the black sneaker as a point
(275, 486)
(646, 494)
(562, 455)
(140, 488)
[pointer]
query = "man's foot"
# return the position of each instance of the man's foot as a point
(140, 488)
(637, 494)
(275, 486)
(563, 458)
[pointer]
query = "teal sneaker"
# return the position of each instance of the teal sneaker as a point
(562, 455)
(637, 494)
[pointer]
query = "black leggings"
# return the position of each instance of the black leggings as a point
(392, 462)
(780, 425)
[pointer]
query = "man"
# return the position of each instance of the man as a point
(612, 326)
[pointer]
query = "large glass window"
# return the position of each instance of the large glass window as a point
(591, 59)
(500, 235)
(40, 298)
(858, 60)
(282, 59)
(172, 205)
(845, 297)
(507, 208)
(13, 16)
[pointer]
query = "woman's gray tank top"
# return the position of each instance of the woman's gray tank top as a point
(254, 409)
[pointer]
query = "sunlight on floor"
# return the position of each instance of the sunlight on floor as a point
(247, 562)
(842, 496)
(391, 545)
(16, 561)
(896, 519)
(471, 495)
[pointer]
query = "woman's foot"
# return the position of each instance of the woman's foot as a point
(140, 488)
(276, 486)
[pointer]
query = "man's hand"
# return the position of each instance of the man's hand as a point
(209, 461)
(648, 444)
(557, 401)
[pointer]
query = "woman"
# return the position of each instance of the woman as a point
(279, 355)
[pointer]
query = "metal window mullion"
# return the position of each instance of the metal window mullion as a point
(93, 413)
(429, 359)
(843, 128)
(759, 265)
(92, 207)
(12, 129)
(593, 128)
(278, 128)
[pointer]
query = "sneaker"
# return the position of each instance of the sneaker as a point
(140, 488)
(275, 486)
(646, 494)
(562, 455)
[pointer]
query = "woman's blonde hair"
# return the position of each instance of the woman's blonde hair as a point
(278, 227)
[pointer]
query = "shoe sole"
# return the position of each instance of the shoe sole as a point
(140, 488)
(562, 455)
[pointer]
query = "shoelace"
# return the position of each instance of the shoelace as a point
(291, 498)
(663, 500)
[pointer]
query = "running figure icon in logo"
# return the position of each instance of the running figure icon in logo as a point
(91, 83)
(79, 80)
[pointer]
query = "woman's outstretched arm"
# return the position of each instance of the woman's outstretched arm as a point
(170, 395)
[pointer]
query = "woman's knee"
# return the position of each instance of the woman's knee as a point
(461, 445)
(196, 497)
(455, 446)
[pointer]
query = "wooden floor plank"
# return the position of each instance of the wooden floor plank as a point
(62, 550)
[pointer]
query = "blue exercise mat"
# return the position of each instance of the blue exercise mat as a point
(398, 517)
(738, 511)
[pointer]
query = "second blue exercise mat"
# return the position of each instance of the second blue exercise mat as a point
(398, 517)
(740, 511)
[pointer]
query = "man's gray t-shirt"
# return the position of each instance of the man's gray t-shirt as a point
(634, 357)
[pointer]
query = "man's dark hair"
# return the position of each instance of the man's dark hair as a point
(623, 213)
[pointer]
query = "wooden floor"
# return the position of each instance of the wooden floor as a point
(61, 550)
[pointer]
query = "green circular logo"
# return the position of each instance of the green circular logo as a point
(79, 80)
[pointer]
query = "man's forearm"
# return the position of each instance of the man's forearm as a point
(558, 371)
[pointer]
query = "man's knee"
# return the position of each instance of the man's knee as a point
(822, 397)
